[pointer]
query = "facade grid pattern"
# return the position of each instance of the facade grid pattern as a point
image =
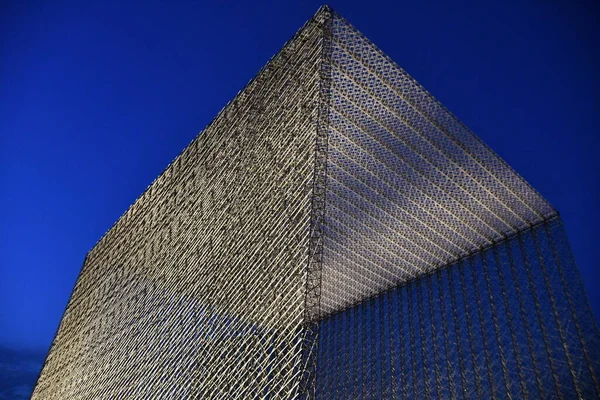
(334, 233)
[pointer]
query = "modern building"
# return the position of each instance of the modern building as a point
(334, 233)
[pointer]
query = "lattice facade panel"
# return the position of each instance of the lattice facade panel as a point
(509, 322)
(334, 233)
(199, 290)
(410, 189)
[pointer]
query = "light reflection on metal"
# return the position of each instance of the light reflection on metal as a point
(334, 233)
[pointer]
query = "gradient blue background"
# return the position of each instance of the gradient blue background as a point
(96, 98)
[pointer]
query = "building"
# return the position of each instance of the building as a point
(334, 233)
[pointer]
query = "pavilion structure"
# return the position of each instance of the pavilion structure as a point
(334, 233)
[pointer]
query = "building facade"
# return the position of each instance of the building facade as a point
(333, 233)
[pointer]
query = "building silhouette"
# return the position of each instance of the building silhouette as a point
(334, 233)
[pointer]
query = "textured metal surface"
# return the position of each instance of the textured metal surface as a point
(200, 289)
(510, 322)
(333, 233)
(410, 189)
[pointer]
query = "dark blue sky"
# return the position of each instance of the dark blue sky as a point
(96, 98)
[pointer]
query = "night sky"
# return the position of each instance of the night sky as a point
(96, 98)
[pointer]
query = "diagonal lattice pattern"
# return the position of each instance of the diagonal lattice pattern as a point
(410, 189)
(333, 233)
(205, 275)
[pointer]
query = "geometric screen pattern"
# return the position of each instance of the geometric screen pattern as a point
(198, 291)
(334, 232)
(409, 188)
(509, 322)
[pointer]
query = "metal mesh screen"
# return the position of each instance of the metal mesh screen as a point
(199, 290)
(333, 233)
(410, 189)
(509, 322)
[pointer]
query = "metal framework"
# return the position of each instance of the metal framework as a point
(334, 233)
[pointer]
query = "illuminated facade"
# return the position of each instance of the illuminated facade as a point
(334, 233)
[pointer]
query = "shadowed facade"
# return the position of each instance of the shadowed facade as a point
(334, 233)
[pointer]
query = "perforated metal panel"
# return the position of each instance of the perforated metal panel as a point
(333, 233)
(410, 189)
